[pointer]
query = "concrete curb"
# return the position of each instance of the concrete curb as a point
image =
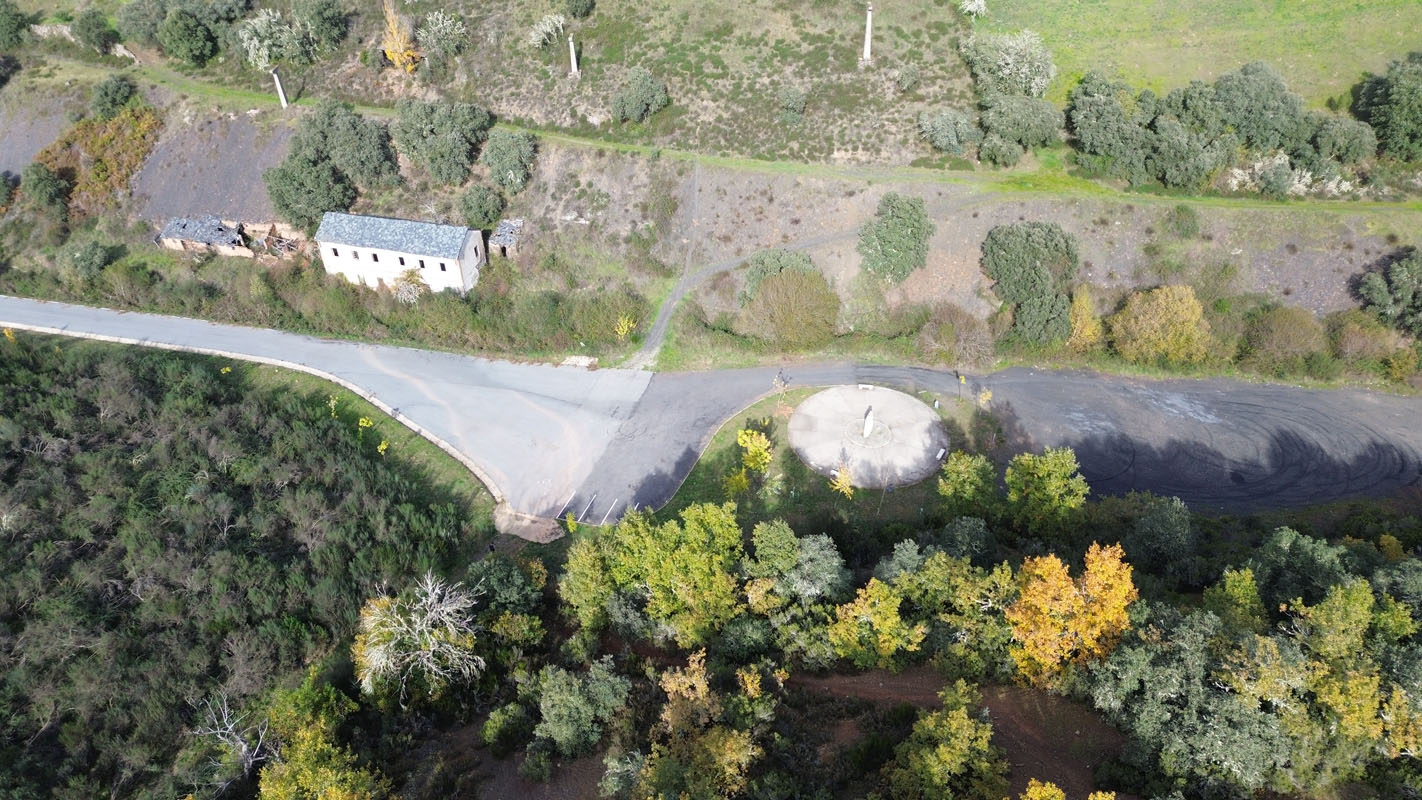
(479, 473)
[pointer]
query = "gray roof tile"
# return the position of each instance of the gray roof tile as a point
(207, 230)
(400, 235)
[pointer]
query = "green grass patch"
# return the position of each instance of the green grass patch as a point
(1322, 47)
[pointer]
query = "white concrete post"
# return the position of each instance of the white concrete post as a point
(281, 93)
(868, 35)
(868, 421)
(572, 57)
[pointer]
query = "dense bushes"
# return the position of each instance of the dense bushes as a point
(103, 154)
(1186, 137)
(795, 308)
(640, 96)
(1395, 294)
(13, 25)
(1027, 121)
(895, 242)
(482, 206)
(210, 539)
(1033, 264)
(766, 263)
(441, 137)
(948, 130)
(1392, 102)
(334, 151)
(92, 29)
(111, 95)
(1163, 326)
(509, 156)
(185, 37)
(1009, 64)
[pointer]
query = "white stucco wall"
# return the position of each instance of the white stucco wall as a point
(371, 266)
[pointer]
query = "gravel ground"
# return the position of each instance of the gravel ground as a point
(211, 166)
(25, 129)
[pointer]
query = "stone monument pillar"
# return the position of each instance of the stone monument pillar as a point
(281, 93)
(868, 422)
(572, 58)
(868, 57)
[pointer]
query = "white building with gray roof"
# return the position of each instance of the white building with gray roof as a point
(375, 251)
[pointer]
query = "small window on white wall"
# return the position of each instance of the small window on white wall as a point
(422, 263)
(441, 267)
(402, 260)
(375, 257)
(355, 255)
(334, 252)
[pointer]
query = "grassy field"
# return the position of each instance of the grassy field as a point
(1323, 47)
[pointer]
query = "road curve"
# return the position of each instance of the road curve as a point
(551, 440)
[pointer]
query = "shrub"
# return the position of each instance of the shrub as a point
(139, 20)
(13, 25)
(766, 263)
(792, 102)
(1087, 332)
(1028, 121)
(303, 187)
(1108, 124)
(1182, 222)
(442, 35)
(795, 309)
(908, 79)
(324, 21)
(968, 485)
(1029, 259)
(1161, 326)
(1257, 103)
(103, 154)
(92, 29)
(1009, 63)
(1182, 159)
(948, 130)
(1392, 102)
(186, 38)
(895, 242)
(506, 728)
(1278, 340)
(1045, 492)
(111, 95)
(1357, 336)
(952, 335)
(89, 259)
(482, 206)
(999, 152)
(1346, 141)
(509, 156)
(42, 188)
(546, 31)
(1042, 320)
(640, 96)
(441, 137)
(579, 9)
(267, 39)
(1276, 180)
(1395, 295)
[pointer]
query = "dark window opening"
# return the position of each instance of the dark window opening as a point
(355, 255)
(334, 252)
(402, 261)
(374, 257)
(422, 263)
(441, 267)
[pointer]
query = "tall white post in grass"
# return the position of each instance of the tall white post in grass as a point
(868, 57)
(281, 93)
(572, 57)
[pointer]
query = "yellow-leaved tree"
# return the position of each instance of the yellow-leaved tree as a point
(869, 630)
(398, 44)
(1162, 326)
(1087, 332)
(1058, 621)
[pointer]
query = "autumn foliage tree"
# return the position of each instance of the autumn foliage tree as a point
(1162, 326)
(1058, 621)
(870, 632)
(949, 753)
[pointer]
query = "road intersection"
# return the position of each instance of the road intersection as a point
(549, 440)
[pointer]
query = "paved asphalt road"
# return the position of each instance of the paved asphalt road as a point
(556, 439)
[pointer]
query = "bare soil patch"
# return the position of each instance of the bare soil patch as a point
(211, 164)
(27, 124)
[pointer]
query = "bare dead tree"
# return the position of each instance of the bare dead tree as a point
(429, 638)
(246, 743)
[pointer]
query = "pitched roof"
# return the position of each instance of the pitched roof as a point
(207, 230)
(400, 235)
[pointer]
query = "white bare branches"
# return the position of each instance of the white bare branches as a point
(245, 745)
(427, 640)
(546, 30)
(973, 8)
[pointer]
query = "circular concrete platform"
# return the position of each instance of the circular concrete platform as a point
(886, 438)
